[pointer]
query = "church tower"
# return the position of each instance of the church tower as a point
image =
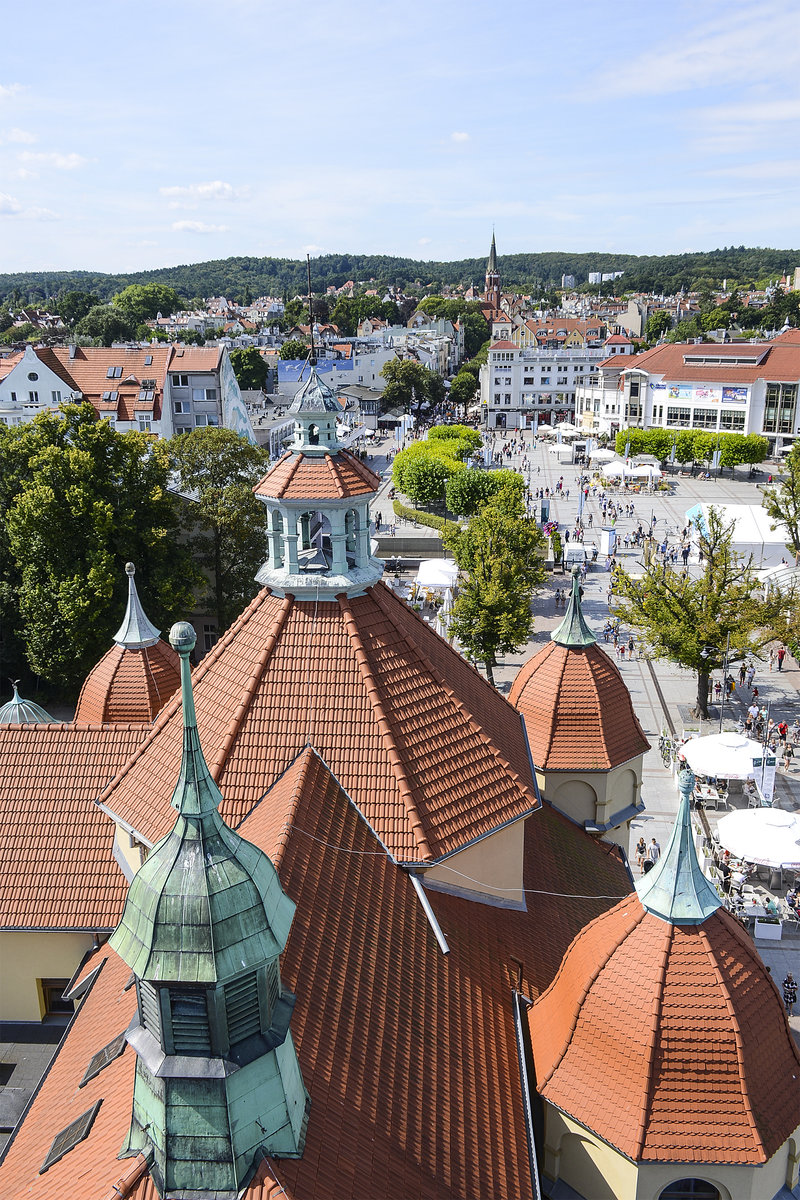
(217, 1081)
(493, 276)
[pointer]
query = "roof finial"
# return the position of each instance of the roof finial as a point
(676, 890)
(196, 794)
(573, 630)
(135, 632)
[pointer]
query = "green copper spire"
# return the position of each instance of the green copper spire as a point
(676, 889)
(491, 266)
(217, 1078)
(573, 630)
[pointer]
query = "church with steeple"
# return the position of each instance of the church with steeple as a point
(365, 944)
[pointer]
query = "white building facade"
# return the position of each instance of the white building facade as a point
(525, 388)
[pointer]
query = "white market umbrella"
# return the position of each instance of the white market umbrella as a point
(768, 837)
(646, 471)
(447, 606)
(436, 573)
(615, 468)
(728, 755)
(440, 625)
(544, 430)
(602, 456)
(567, 427)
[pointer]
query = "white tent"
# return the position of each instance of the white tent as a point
(728, 755)
(751, 534)
(544, 430)
(602, 456)
(616, 469)
(768, 837)
(646, 471)
(437, 573)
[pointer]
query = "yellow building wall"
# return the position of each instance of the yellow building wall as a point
(491, 868)
(125, 849)
(599, 1172)
(25, 958)
(595, 795)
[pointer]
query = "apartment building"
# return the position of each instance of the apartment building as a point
(161, 390)
(745, 387)
(525, 388)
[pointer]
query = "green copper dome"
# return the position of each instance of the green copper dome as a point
(206, 905)
(17, 711)
(573, 630)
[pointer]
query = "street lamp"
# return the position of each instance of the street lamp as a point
(705, 654)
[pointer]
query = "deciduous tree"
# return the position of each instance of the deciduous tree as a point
(782, 501)
(227, 524)
(249, 368)
(293, 349)
(680, 617)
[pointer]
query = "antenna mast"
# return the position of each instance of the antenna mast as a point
(312, 357)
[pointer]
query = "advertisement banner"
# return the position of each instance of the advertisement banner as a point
(693, 392)
(737, 394)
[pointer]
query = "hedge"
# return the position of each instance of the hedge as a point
(422, 518)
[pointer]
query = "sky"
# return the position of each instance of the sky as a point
(147, 134)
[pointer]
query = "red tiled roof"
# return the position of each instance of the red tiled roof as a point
(780, 361)
(55, 844)
(89, 369)
(503, 345)
(669, 1042)
(409, 1055)
(618, 361)
(321, 477)
(577, 709)
(129, 685)
(194, 358)
(387, 702)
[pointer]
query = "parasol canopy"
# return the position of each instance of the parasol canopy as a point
(728, 755)
(768, 837)
(436, 573)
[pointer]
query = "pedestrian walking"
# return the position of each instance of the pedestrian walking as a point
(771, 659)
(781, 655)
(641, 854)
(789, 992)
(788, 755)
(742, 674)
(654, 852)
(751, 674)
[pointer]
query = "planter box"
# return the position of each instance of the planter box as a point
(769, 931)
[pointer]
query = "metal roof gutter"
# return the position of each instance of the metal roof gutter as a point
(517, 1000)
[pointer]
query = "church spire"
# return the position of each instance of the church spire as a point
(135, 632)
(491, 266)
(676, 889)
(573, 630)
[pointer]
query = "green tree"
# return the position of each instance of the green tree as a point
(80, 500)
(475, 331)
(680, 617)
(294, 349)
(106, 324)
(71, 306)
(249, 368)
(227, 524)
(463, 388)
(467, 491)
(409, 384)
(426, 478)
(782, 501)
(501, 556)
(141, 302)
(460, 433)
(660, 322)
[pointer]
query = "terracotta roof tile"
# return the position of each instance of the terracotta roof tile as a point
(129, 685)
(669, 1042)
(780, 360)
(65, 876)
(577, 710)
(409, 1055)
(324, 477)
(377, 692)
(89, 369)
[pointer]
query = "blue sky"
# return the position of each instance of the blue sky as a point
(148, 134)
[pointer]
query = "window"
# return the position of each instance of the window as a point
(189, 1012)
(507, 398)
(144, 394)
(148, 360)
(779, 408)
(33, 397)
(103, 1058)
(678, 416)
(180, 380)
(731, 419)
(209, 631)
(144, 423)
(634, 389)
(56, 397)
(528, 379)
(32, 376)
(704, 418)
(242, 1009)
(181, 406)
(690, 1189)
(114, 373)
(149, 1008)
(200, 419)
(53, 998)
(14, 397)
(497, 397)
(70, 1137)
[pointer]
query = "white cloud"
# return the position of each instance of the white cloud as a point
(459, 137)
(17, 136)
(745, 44)
(11, 207)
(216, 189)
(9, 89)
(424, 241)
(197, 227)
(61, 162)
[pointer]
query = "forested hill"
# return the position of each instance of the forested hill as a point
(246, 278)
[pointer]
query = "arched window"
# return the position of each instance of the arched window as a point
(313, 435)
(690, 1189)
(277, 528)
